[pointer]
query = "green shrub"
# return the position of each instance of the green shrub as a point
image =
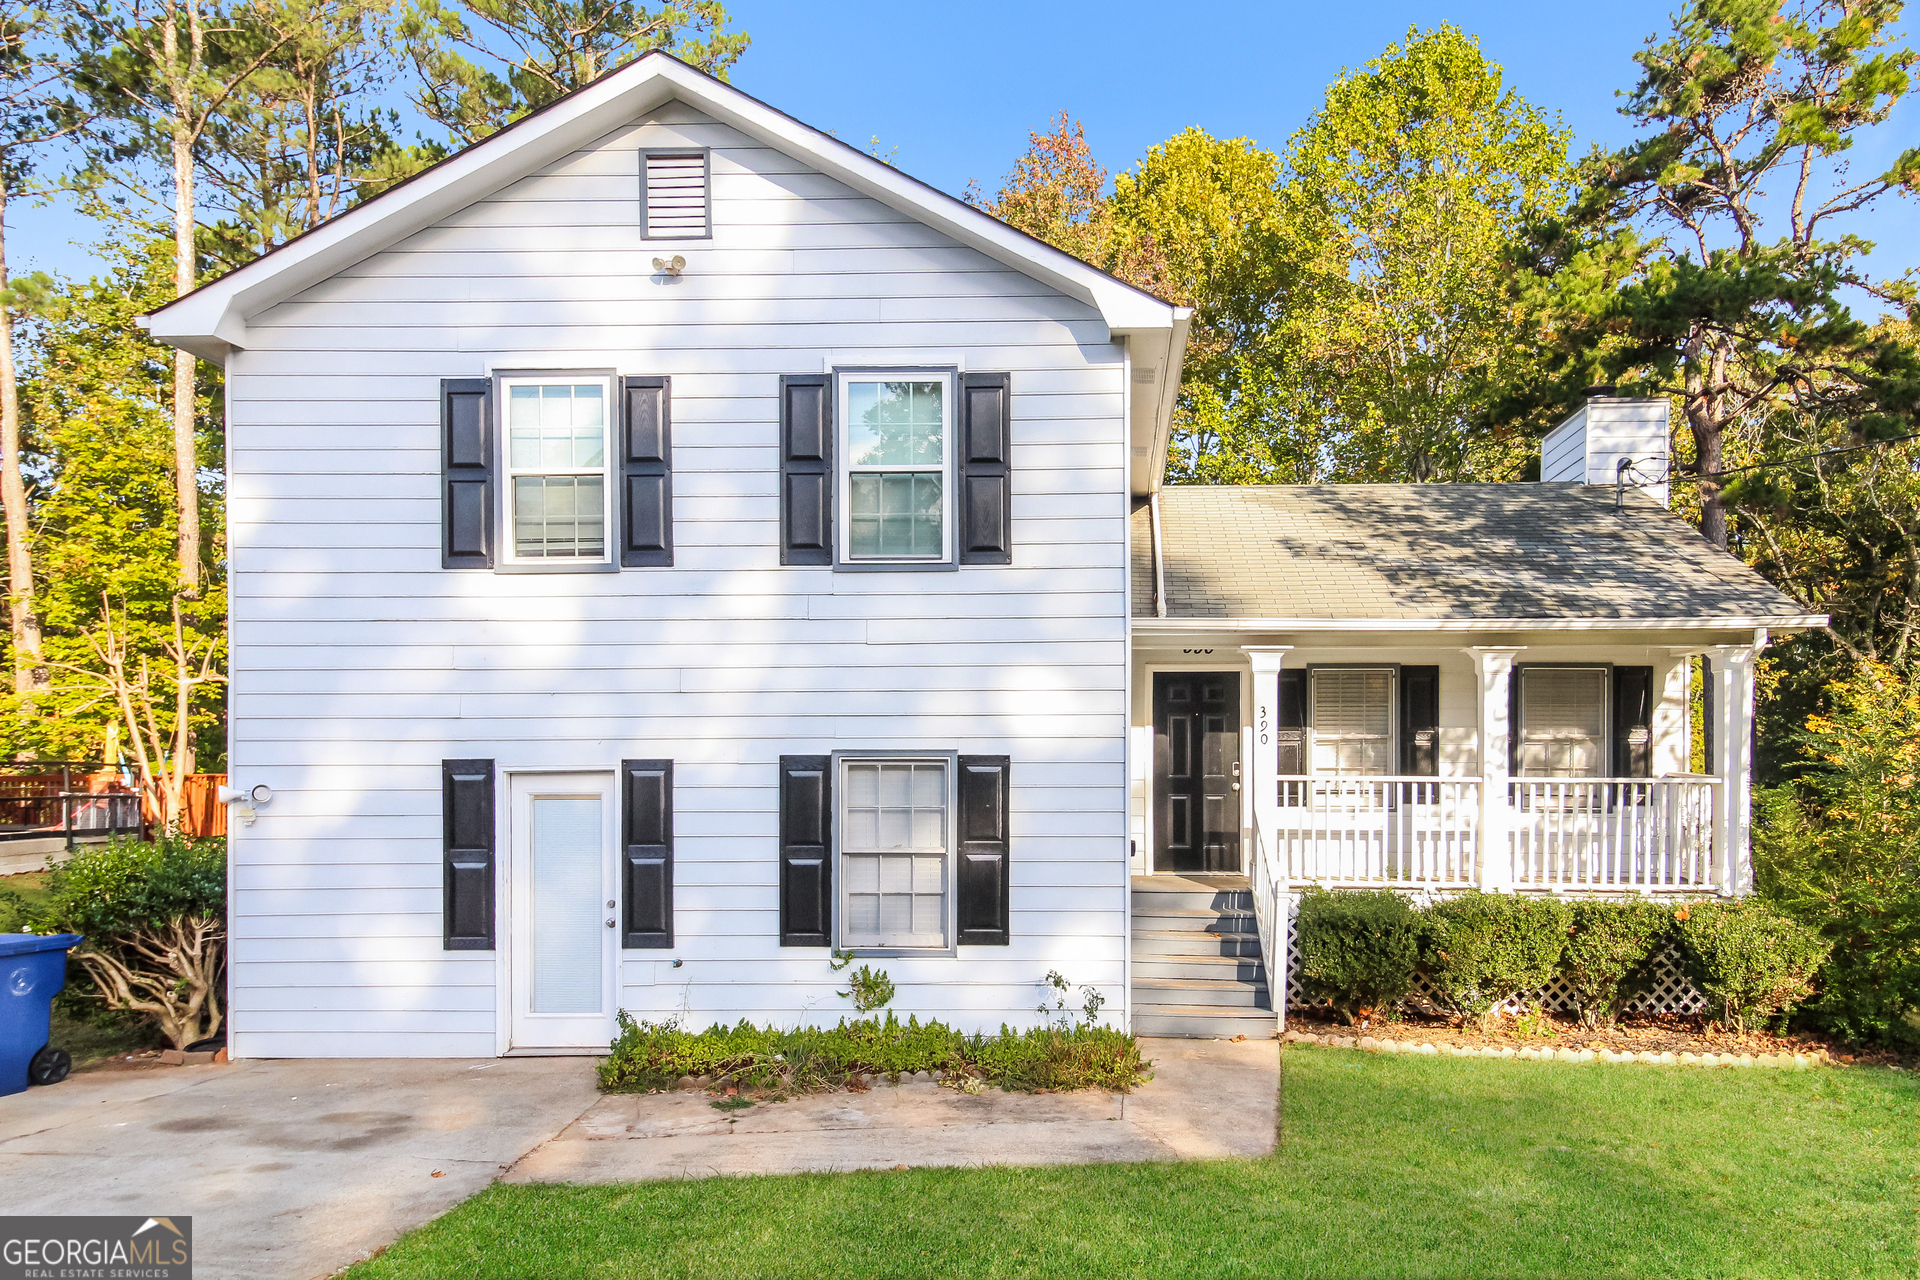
(1610, 949)
(1358, 948)
(1482, 949)
(1748, 959)
(647, 1056)
(155, 921)
(1839, 850)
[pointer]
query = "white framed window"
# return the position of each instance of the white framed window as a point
(896, 467)
(1563, 722)
(896, 847)
(556, 453)
(1352, 718)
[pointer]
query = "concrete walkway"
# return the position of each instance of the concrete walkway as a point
(294, 1169)
(1208, 1098)
(289, 1169)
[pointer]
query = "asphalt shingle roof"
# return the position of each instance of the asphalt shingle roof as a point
(1437, 551)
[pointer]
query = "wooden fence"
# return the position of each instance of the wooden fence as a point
(202, 814)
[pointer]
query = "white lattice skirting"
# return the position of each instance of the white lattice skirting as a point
(1671, 993)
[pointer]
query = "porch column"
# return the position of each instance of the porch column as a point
(1494, 670)
(1263, 771)
(1263, 775)
(1732, 667)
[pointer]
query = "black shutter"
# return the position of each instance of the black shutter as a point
(1706, 715)
(466, 804)
(1420, 721)
(646, 468)
(646, 843)
(466, 473)
(1632, 722)
(806, 468)
(986, 485)
(1513, 722)
(806, 851)
(1290, 731)
(984, 848)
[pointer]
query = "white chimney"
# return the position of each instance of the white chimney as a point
(1589, 447)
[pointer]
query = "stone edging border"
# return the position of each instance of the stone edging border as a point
(1368, 1044)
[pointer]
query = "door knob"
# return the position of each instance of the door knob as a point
(1236, 786)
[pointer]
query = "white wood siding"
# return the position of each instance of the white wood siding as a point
(359, 664)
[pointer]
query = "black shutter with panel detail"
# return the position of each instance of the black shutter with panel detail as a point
(806, 848)
(466, 804)
(646, 849)
(1513, 722)
(1290, 727)
(466, 473)
(1420, 721)
(646, 474)
(986, 479)
(1632, 722)
(982, 878)
(806, 468)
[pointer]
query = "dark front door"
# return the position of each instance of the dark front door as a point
(1196, 772)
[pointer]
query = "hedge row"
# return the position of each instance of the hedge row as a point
(1361, 950)
(648, 1056)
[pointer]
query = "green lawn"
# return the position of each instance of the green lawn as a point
(1387, 1167)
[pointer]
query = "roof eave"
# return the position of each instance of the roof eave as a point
(1741, 622)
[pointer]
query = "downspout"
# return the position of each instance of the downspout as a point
(1159, 568)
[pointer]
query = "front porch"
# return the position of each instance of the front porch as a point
(1648, 835)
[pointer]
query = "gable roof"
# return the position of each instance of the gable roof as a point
(212, 320)
(1468, 554)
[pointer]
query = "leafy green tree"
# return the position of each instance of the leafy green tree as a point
(1402, 196)
(136, 664)
(483, 64)
(1840, 850)
(33, 113)
(1674, 273)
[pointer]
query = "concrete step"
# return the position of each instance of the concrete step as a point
(1203, 1023)
(1198, 993)
(1193, 942)
(1195, 921)
(1199, 968)
(1192, 900)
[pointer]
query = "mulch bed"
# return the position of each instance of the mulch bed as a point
(1655, 1033)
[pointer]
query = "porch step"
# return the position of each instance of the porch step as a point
(1151, 915)
(1186, 942)
(1204, 1023)
(1210, 993)
(1197, 968)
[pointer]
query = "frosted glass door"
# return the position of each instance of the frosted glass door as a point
(562, 947)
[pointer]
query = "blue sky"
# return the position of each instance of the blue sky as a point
(956, 89)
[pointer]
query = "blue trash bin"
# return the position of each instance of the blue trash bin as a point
(32, 971)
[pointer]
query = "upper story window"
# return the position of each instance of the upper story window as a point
(556, 459)
(1563, 722)
(896, 484)
(1352, 721)
(676, 195)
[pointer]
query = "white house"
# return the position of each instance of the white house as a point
(669, 546)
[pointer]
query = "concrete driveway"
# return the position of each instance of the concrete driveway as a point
(294, 1169)
(289, 1169)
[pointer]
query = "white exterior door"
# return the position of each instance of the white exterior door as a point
(562, 943)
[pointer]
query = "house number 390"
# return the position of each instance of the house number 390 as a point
(1196, 651)
(1263, 724)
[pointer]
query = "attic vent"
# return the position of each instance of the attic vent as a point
(675, 204)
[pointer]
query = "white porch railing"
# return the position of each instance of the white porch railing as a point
(1384, 831)
(1269, 886)
(1645, 834)
(1613, 833)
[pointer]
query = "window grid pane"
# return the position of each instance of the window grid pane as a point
(896, 455)
(895, 513)
(896, 423)
(1353, 723)
(558, 516)
(894, 853)
(1563, 723)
